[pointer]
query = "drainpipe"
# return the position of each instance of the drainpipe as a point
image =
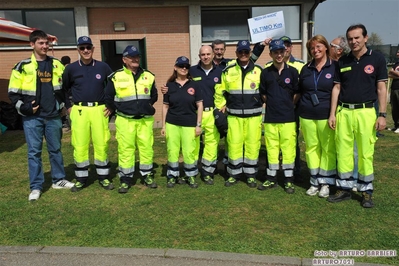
(309, 28)
(310, 17)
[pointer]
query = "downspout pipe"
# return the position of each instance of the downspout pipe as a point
(310, 17)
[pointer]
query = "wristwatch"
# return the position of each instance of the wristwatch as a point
(382, 115)
(198, 124)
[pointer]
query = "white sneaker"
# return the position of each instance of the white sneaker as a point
(324, 191)
(63, 184)
(396, 131)
(312, 191)
(354, 189)
(34, 195)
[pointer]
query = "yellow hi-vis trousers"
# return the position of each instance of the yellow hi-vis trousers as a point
(320, 152)
(243, 140)
(359, 125)
(134, 134)
(280, 136)
(180, 137)
(89, 122)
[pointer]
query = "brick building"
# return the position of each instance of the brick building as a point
(163, 30)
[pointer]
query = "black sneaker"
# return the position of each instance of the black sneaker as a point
(339, 196)
(191, 182)
(289, 188)
(267, 185)
(208, 180)
(171, 182)
(149, 181)
(77, 187)
(123, 188)
(106, 184)
(230, 182)
(367, 201)
(251, 182)
(181, 181)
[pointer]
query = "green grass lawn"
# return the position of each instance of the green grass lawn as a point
(210, 218)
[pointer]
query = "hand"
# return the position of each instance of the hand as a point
(34, 109)
(266, 41)
(164, 89)
(332, 122)
(107, 112)
(223, 109)
(163, 132)
(69, 110)
(198, 131)
(381, 123)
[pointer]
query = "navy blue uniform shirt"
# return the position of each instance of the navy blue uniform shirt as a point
(358, 78)
(207, 82)
(279, 101)
(182, 101)
(86, 83)
(320, 83)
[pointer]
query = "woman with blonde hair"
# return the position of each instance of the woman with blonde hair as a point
(316, 83)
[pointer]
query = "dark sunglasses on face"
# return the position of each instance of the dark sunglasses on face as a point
(243, 52)
(88, 48)
(183, 66)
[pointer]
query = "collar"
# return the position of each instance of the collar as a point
(93, 62)
(328, 63)
(367, 53)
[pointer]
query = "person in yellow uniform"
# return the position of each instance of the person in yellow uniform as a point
(238, 96)
(131, 93)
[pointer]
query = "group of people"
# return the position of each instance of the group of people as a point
(331, 99)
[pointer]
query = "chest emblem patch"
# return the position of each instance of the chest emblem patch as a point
(216, 79)
(287, 81)
(328, 76)
(253, 85)
(146, 90)
(191, 91)
(369, 69)
(98, 76)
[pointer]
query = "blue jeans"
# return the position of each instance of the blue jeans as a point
(35, 129)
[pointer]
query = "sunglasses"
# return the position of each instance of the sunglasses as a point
(335, 45)
(243, 52)
(88, 48)
(183, 66)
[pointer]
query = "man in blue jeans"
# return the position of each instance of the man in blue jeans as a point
(35, 91)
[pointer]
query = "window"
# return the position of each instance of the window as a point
(60, 23)
(230, 24)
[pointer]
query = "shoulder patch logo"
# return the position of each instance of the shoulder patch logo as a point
(98, 76)
(369, 69)
(191, 91)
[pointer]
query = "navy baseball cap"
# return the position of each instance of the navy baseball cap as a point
(130, 50)
(276, 45)
(243, 45)
(182, 60)
(84, 40)
(286, 39)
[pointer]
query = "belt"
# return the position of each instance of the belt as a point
(207, 109)
(89, 103)
(357, 105)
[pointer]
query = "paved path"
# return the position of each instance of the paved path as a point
(77, 256)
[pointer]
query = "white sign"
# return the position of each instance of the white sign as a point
(267, 26)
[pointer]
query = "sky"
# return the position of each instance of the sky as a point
(333, 17)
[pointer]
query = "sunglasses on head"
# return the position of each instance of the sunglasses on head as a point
(243, 52)
(88, 47)
(184, 66)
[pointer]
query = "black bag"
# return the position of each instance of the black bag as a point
(9, 116)
(220, 122)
